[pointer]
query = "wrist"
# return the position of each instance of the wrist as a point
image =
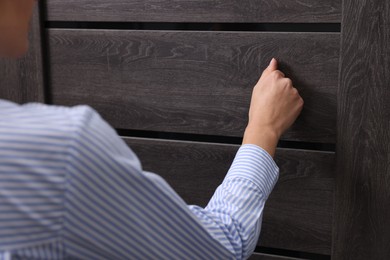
(267, 131)
(263, 137)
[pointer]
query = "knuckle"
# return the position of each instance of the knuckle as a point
(288, 81)
(301, 102)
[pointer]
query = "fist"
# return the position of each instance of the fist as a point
(275, 105)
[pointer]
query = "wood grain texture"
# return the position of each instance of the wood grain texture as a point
(21, 80)
(260, 256)
(229, 11)
(298, 214)
(362, 209)
(192, 82)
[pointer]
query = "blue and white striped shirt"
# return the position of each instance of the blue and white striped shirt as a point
(70, 188)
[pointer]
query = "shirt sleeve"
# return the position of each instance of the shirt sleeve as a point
(234, 214)
(114, 209)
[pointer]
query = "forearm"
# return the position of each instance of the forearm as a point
(234, 213)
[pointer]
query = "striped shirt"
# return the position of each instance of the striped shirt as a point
(70, 188)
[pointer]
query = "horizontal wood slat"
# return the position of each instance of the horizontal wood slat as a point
(192, 82)
(298, 214)
(229, 11)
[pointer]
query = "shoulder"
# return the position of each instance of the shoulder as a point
(53, 123)
(38, 114)
(75, 118)
(77, 126)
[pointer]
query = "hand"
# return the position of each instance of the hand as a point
(275, 105)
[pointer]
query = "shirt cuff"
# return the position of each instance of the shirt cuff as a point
(255, 164)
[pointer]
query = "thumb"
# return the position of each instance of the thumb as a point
(273, 65)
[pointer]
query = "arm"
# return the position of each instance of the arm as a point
(234, 213)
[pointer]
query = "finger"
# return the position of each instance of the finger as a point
(273, 65)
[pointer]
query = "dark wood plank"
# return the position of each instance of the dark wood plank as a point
(22, 80)
(362, 209)
(298, 214)
(260, 256)
(192, 82)
(229, 11)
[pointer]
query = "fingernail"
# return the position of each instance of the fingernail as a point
(271, 61)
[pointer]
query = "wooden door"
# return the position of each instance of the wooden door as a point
(177, 76)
